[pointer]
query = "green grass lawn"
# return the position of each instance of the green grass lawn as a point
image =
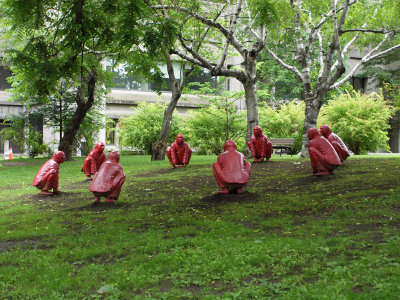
(171, 236)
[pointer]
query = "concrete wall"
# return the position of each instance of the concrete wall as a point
(7, 108)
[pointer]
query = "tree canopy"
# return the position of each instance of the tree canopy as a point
(57, 44)
(323, 34)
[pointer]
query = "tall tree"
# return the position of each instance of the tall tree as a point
(144, 53)
(159, 147)
(229, 29)
(55, 41)
(331, 29)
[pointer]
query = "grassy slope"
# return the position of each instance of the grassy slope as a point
(170, 236)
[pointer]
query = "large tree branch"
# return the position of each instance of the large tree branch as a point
(337, 26)
(297, 29)
(334, 46)
(302, 48)
(316, 29)
(230, 35)
(328, 15)
(366, 30)
(260, 38)
(343, 16)
(369, 56)
(285, 65)
(232, 39)
(321, 54)
(240, 75)
(351, 42)
(345, 50)
(197, 58)
(171, 74)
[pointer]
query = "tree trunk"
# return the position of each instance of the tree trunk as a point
(250, 88)
(66, 143)
(158, 150)
(313, 106)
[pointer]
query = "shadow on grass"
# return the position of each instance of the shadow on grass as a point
(100, 206)
(222, 199)
(310, 179)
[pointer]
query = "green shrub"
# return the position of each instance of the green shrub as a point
(35, 147)
(14, 130)
(142, 129)
(360, 120)
(287, 121)
(208, 128)
(21, 132)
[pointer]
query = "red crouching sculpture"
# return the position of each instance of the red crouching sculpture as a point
(107, 182)
(179, 153)
(259, 146)
(47, 176)
(323, 156)
(336, 141)
(93, 161)
(231, 170)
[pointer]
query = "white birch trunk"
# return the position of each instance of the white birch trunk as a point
(250, 89)
(313, 106)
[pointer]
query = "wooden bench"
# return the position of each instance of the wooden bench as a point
(282, 143)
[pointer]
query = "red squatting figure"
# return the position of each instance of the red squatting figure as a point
(179, 153)
(47, 176)
(231, 170)
(323, 156)
(336, 141)
(93, 161)
(259, 146)
(107, 182)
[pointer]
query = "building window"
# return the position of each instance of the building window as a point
(202, 77)
(123, 80)
(111, 131)
(359, 83)
(4, 74)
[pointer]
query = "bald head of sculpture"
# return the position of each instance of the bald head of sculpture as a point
(99, 147)
(179, 139)
(312, 133)
(114, 156)
(59, 157)
(257, 131)
(325, 130)
(230, 145)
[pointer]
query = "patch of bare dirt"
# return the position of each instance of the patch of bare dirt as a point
(194, 289)
(101, 206)
(165, 285)
(15, 163)
(8, 188)
(170, 170)
(7, 245)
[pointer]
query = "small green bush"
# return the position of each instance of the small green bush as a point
(22, 133)
(208, 128)
(285, 122)
(362, 121)
(141, 130)
(14, 130)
